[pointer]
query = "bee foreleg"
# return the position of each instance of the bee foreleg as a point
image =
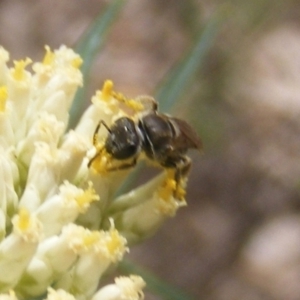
(95, 135)
(98, 153)
(124, 166)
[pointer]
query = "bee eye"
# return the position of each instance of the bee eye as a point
(123, 141)
(122, 150)
(131, 149)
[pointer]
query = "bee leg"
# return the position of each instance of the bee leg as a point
(180, 171)
(95, 135)
(124, 166)
(95, 141)
(98, 153)
(185, 168)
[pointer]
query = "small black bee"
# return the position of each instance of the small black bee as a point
(164, 139)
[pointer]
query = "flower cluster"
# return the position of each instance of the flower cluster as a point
(61, 227)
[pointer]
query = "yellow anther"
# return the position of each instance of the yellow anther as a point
(49, 56)
(3, 98)
(87, 197)
(24, 219)
(91, 238)
(18, 71)
(119, 96)
(77, 62)
(115, 244)
(135, 105)
(131, 103)
(107, 90)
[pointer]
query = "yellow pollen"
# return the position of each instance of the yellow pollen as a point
(49, 56)
(24, 219)
(135, 105)
(12, 293)
(167, 189)
(119, 96)
(114, 244)
(87, 197)
(171, 184)
(180, 193)
(107, 90)
(91, 238)
(19, 70)
(3, 98)
(102, 162)
(170, 173)
(77, 62)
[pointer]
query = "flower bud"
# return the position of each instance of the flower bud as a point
(17, 249)
(53, 258)
(105, 249)
(64, 208)
(43, 177)
(123, 288)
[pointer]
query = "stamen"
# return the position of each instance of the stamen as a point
(87, 197)
(49, 56)
(114, 244)
(18, 72)
(3, 98)
(77, 62)
(107, 90)
(24, 219)
(135, 105)
(91, 238)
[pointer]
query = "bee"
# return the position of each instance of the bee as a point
(162, 138)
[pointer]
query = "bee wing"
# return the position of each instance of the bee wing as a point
(191, 138)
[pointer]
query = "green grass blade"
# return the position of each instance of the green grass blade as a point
(88, 47)
(155, 284)
(182, 74)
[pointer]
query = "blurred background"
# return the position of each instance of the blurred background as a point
(239, 237)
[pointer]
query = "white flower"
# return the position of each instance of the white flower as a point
(129, 288)
(46, 128)
(63, 208)
(103, 249)
(8, 296)
(60, 225)
(17, 249)
(59, 295)
(53, 258)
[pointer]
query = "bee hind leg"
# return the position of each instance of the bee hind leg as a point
(182, 169)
